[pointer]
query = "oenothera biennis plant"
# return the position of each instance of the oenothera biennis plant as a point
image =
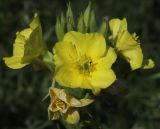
(84, 61)
(127, 44)
(81, 60)
(28, 46)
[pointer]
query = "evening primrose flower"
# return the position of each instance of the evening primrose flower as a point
(28, 46)
(84, 61)
(63, 104)
(128, 45)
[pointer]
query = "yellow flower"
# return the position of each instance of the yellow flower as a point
(63, 104)
(84, 61)
(28, 46)
(127, 45)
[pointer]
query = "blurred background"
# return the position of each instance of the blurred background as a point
(134, 106)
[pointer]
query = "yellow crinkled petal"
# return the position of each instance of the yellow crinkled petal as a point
(26, 34)
(92, 45)
(64, 53)
(116, 26)
(72, 116)
(14, 62)
(20, 41)
(149, 64)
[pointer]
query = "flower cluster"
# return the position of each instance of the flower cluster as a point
(81, 59)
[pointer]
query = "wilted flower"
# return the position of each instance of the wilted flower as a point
(84, 61)
(63, 104)
(28, 46)
(128, 45)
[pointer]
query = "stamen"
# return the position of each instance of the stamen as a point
(85, 65)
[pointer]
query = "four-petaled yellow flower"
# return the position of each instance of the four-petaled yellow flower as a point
(28, 46)
(84, 61)
(128, 45)
(63, 104)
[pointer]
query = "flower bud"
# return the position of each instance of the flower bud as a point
(92, 25)
(59, 28)
(70, 19)
(87, 16)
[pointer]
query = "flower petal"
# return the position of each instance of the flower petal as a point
(133, 56)
(28, 45)
(35, 23)
(56, 93)
(69, 77)
(107, 60)
(52, 107)
(149, 64)
(53, 92)
(130, 50)
(125, 41)
(64, 53)
(34, 46)
(102, 78)
(92, 45)
(117, 26)
(25, 33)
(14, 62)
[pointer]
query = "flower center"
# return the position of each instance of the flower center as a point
(86, 66)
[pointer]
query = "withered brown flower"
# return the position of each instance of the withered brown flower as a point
(65, 105)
